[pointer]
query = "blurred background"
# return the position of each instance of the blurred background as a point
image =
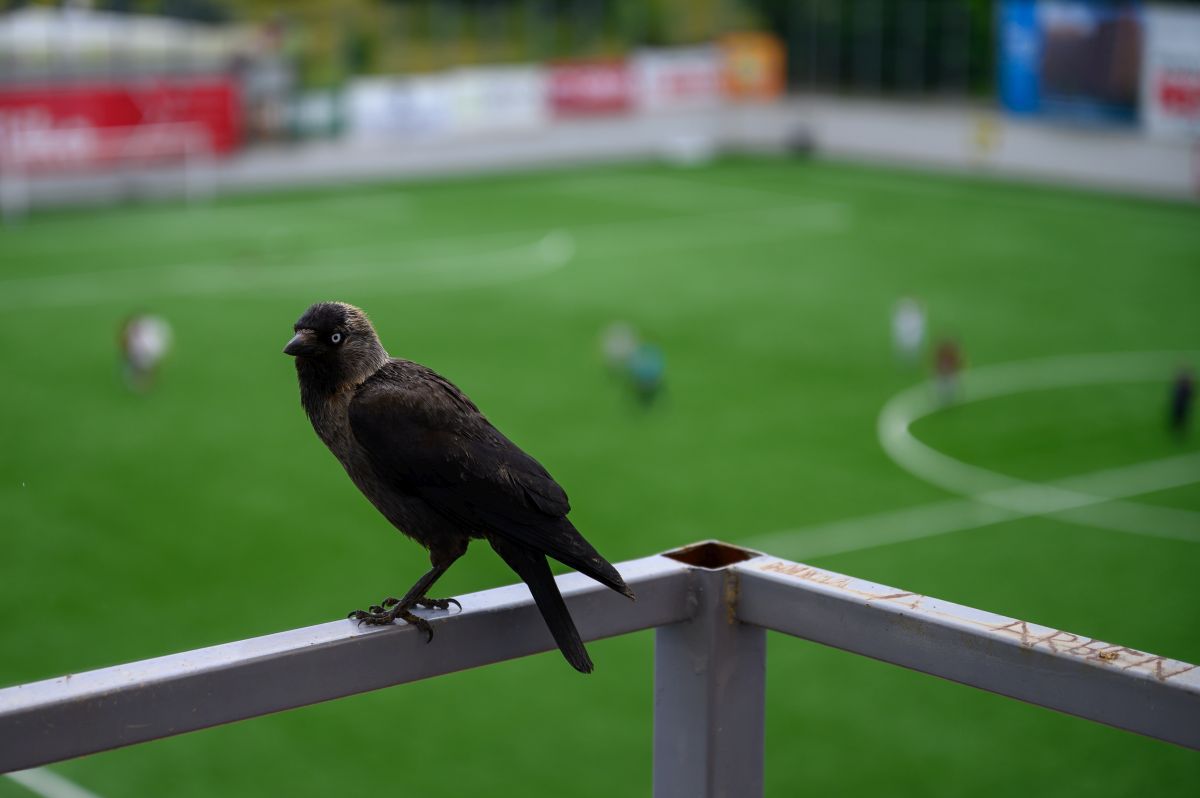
(682, 252)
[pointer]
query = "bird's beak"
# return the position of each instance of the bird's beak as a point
(302, 343)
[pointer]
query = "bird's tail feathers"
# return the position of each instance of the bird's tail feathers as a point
(580, 555)
(557, 538)
(599, 569)
(533, 569)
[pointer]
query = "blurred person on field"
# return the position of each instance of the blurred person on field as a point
(947, 364)
(618, 342)
(908, 330)
(647, 367)
(144, 341)
(1183, 392)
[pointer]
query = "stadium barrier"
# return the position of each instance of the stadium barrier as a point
(711, 603)
(180, 150)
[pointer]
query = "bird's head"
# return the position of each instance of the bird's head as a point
(335, 338)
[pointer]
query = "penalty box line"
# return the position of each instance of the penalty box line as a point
(989, 497)
(955, 515)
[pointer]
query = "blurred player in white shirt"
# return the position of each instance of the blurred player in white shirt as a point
(145, 341)
(617, 343)
(908, 330)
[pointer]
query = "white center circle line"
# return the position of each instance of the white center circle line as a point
(1025, 497)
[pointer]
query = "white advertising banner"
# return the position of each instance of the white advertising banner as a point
(400, 106)
(678, 77)
(461, 101)
(499, 98)
(1171, 72)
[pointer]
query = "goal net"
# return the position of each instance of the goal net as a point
(167, 159)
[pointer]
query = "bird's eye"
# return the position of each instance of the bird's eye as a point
(336, 338)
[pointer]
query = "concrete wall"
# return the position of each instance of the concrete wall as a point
(980, 140)
(958, 138)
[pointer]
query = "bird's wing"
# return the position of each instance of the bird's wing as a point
(425, 437)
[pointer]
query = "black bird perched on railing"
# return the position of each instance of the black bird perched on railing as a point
(425, 456)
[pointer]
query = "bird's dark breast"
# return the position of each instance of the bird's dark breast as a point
(409, 513)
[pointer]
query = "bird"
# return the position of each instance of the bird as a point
(426, 457)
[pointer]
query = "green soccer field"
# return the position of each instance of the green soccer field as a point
(208, 511)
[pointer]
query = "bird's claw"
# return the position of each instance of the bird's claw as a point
(428, 603)
(420, 623)
(437, 604)
(374, 617)
(377, 616)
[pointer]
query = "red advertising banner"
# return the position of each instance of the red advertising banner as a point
(1179, 93)
(87, 124)
(677, 77)
(590, 87)
(1171, 72)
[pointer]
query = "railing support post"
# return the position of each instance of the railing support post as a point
(709, 697)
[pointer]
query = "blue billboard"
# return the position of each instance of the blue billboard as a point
(1070, 59)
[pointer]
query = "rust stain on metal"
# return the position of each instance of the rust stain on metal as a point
(840, 582)
(732, 592)
(896, 597)
(1161, 667)
(1030, 636)
(1017, 628)
(1061, 642)
(807, 573)
(1184, 668)
(1056, 640)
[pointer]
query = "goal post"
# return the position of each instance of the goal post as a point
(176, 158)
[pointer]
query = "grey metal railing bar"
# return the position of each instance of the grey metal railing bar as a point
(84, 713)
(711, 603)
(1104, 682)
(709, 697)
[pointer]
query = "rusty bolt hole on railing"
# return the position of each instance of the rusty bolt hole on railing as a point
(711, 555)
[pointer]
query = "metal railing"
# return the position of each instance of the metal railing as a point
(711, 603)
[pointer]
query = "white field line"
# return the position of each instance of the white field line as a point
(1089, 499)
(645, 191)
(1147, 520)
(954, 515)
(227, 277)
(879, 529)
(907, 407)
(741, 192)
(684, 191)
(959, 187)
(505, 261)
(435, 264)
(670, 192)
(49, 784)
(267, 232)
(660, 190)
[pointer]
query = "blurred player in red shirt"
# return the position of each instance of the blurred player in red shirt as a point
(947, 363)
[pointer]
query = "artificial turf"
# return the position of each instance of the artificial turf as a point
(207, 511)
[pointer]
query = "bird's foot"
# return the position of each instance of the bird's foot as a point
(378, 616)
(428, 603)
(373, 616)
(391, 608)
